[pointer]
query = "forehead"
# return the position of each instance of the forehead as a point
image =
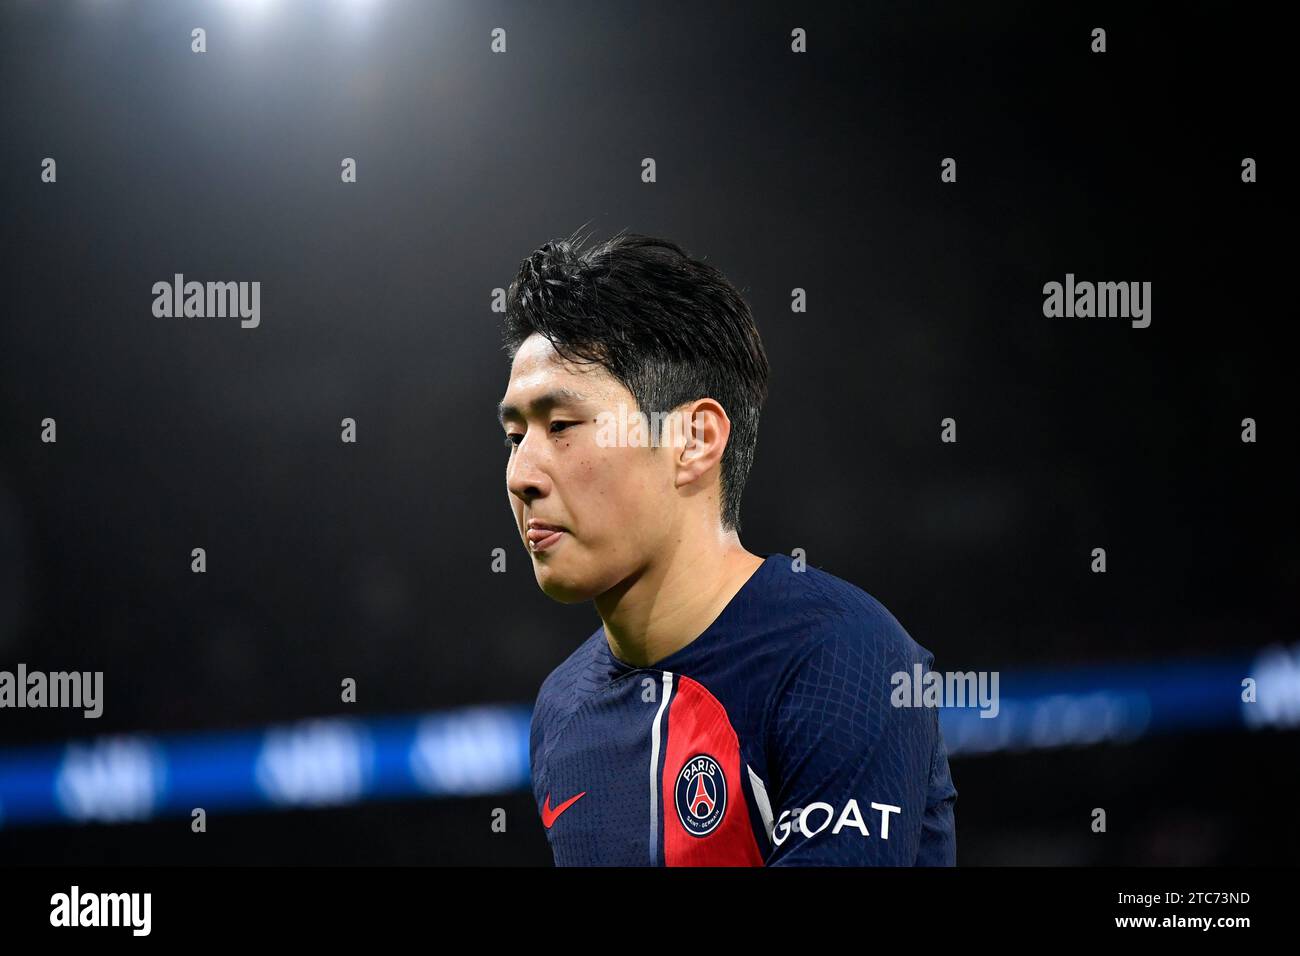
(537, 368)
(537, 364)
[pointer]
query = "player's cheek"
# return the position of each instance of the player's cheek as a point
(606, 493)
(646, 499)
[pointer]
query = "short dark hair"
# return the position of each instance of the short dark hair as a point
(670, 328)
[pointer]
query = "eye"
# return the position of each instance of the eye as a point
(514, 438)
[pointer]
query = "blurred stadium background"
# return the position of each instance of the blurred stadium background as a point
(373, 561)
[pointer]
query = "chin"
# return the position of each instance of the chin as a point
(558, 586)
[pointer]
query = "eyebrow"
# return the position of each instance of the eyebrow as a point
(542, 403)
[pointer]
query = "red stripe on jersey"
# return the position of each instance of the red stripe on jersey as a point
(698, 724)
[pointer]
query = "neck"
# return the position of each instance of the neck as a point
(673, 600)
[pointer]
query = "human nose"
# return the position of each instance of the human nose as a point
(527, 476)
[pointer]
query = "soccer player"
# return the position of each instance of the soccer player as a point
(732, 708)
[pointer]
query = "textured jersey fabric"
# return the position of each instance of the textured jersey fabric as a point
(770, 739)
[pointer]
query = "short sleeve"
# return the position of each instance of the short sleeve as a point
(537, 738)
(858, 781)
(939, 828)
(534, 736)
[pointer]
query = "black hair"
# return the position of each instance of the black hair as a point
(670, 328)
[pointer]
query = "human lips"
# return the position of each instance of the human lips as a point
(542, 534)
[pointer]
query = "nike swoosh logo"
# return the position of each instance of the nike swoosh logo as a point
(549, 816)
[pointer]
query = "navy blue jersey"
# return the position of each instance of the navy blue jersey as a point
(770, 739)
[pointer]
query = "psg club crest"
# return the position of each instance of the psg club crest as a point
(701, 795)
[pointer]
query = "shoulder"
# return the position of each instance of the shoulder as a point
(830, 723)
(848, 630)
(837, 675)
(567, 685)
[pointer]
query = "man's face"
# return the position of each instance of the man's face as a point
(615, 504)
